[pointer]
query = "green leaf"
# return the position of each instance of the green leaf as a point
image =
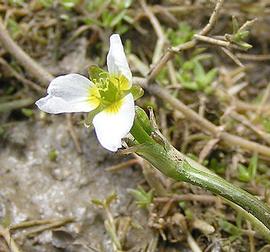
(112, 197)
(17, 2)
(247, 174)
(192, 85)
(14, 28)
(107, 18)
(53, 154)
(244, 45)
(110, 228)
(142, 117)
(136, 91)
(183, 34)
(128, 19)
(216, 166)
(198, 69)
(210, 76)
(243, 173)
(243, 35)
(253, 164)
(143, 198)
(27, 112)
(239, 36)
(230, 228)
(121, 29)
(106, 202)
(97, 202)
(117, 19)
(188, 65)
(90, 21)
(46, 3)
(69, 4)
(94, 5)
(235, 25)
(126, 3)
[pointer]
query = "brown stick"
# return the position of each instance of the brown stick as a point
(20, 78)
(16, 104)
(212, 19)
(23, 58)
(201, 122)
(9, 240)
(169, 54)
(34, 69)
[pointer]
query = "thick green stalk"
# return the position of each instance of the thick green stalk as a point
(179, 167)
(262, 229)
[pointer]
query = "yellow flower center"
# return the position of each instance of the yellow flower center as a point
(115, 107)
(108, 93)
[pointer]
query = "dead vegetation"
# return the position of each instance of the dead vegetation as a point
(205, 68)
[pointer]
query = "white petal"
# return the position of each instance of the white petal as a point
(116, 58)
(67, 93)
(111, 128)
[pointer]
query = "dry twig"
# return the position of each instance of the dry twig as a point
(122, 166)
(73, 133)
(202, 123)
(169, 54)
(20, 78)
(51, 225)
(35, 70)
(23, 58)
(157, 27)
(9, 240)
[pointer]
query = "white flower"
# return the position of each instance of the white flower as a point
(106, 95)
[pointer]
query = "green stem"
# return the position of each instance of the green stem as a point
(139, 133)
(252, 219)
(179, 167)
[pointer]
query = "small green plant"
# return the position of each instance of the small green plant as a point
(193, 76)
(178, 36)
(27, 112)
(183, 34)
(114, 15)
(217, 166)
(110, 223)
(246, 174)
(186, 209)
(230, 228)
(240, 34)
(16, 2)
(14, 28)
(143, 198)
(46, 3)
(67, 4)
(53, 154)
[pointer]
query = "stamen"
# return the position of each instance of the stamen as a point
(109, 92)
(115, 107)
